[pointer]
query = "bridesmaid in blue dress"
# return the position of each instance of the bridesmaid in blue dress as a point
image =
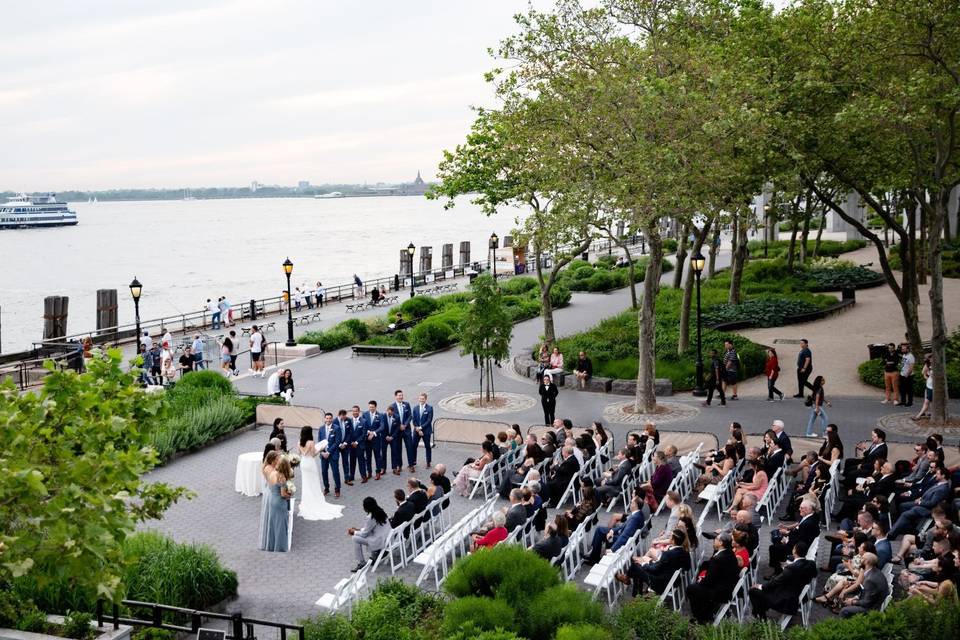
(273, 526)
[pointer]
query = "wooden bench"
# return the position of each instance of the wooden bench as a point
(381, 350)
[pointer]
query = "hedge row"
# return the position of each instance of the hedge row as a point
(507, 593)
(951, 258)
(779, 248)
(603, 275)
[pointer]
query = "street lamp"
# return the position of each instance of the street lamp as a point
(766, 231)
(288, 269)
(494, 240)
(135, 290)
(696, 263)
(413, 279)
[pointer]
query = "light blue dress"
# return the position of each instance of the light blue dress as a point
(273, 526)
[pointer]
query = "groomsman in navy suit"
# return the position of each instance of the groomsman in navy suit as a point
(347, 447)
(372, 425)
(402, 410)
(393, 439)
(330, 459)
(422, 430)
(360, 451)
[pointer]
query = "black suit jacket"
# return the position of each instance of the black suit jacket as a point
(404, 513)
(774, 462)
(784, 588)
(882, 487)
(623, 470)
(785, 444)
(562, 473)
(660, 572)
(548, 548)
(806, 532)
(277, 433)
(869, 457)
(516, 516)
(722, 575)
(419, 500)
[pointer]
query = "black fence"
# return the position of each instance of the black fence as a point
(239, 627)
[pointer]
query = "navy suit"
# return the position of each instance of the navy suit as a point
(423, 420)
(912, 517)
(334, 437)
(372, 423)
(364, 451)
(621, 534)
(405, 417)
(347, 451)
(391, 429)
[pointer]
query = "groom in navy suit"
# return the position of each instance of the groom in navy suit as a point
(330, 459)
(422, 430)
(401, 409)
(371, 424)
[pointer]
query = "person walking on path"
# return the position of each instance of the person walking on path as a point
(256, 351)
(804, 367)
(223, 307)
(715, 380)
(891, 375)
(907, 362)
(357, 281)
(816, 402)
(927, 389)
(771, 369)
(214, 310)
(731, 367)
(199, 362)
(548, 399)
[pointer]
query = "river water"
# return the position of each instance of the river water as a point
(187, 251)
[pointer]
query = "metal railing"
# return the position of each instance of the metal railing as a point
(240, 627)
(30, 372)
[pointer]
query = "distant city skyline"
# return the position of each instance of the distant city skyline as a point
(108, 94)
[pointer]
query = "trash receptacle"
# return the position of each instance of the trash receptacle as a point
(472, 275)
(849, 293)
(876, 350)
(253, 309)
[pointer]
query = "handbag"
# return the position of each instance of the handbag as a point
(809, 401)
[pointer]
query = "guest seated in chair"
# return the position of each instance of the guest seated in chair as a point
(622, 528)
(782, 592)
(656, 574)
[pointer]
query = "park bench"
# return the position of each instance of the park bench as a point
(381, 350)
(354, 308)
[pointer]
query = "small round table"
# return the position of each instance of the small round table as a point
(249, 479)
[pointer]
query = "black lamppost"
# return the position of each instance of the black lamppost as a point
(696, 263)
(494, 241)
(288, 269)
(413, 278)
(135, 290)
(766, 231)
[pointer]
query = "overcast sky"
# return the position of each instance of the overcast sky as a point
(173, 93)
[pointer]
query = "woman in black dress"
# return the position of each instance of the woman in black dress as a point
(548, 399)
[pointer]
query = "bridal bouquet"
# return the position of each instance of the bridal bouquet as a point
(294, 459)
(291, 487)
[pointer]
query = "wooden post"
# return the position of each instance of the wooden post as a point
(465, 253)
(447, 258)
(426, 259)
(406, 263)
(107, 311)
(55, 317)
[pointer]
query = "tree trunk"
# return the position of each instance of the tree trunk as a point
(714, 247)
(681, 256)
(807, 215)
(938, 340)
(699, 238)
(631, 269)
(738, 259)
(823, 223)
(546, 308)
(646, 400)
(922, 257)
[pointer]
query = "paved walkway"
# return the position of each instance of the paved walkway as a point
(283, 587)
(839, 343)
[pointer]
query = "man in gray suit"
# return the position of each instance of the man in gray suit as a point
(875, 589)
(613, 478)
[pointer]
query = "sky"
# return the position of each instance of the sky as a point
(99, 94)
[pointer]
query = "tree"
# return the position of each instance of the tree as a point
(507, 161)
(72, 456)
(485, 332)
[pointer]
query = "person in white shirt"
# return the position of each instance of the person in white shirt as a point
(227, 312)
(214, 310)
(167, 339)
(273, 384)
(256, 351)
(907, 362)
(321, 292)
(146, 340)
(197, 348)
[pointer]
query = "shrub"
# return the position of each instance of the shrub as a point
(77, 625)
(670, 246)
(470, 632)
(582, 632)
(381, 617)
(328, 627)
(763, 312)
(841, 277)
(779, 248)
(358, 328)
(643, 618)
(562, 604)
(950, 258)
(517, 286)
(559, 296)
(430, 335)
(480, 613)
(340, 335)
(416, 307)
(181, 575)
(19, 612)
(152, 633)
(505, 571)
(205, 380)
(602, 281)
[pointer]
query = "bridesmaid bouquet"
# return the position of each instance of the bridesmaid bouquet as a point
(294, 459)
(291, 487)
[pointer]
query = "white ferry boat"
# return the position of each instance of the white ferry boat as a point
(42, 210)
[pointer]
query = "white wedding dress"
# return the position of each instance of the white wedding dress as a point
(313, 506)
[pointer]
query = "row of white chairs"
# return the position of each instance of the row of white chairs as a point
(719, 496)
(684, 481)
(571, 559)
(494, 472)
(412, 537)
(641, 473)
(602, 576)
(347, 592)
(454, 543)
(770, 502)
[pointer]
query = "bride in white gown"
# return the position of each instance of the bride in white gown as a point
(313, 506)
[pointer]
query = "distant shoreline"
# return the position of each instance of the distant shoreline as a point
(146, 196)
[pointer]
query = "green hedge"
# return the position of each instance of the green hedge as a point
(670, 245)
(340, 335)
(763, 312)
(842, 277)
(158, 569)
(601, 276)
(779, 248)
(950, 258)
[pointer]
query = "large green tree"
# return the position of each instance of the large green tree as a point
(72, 457)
